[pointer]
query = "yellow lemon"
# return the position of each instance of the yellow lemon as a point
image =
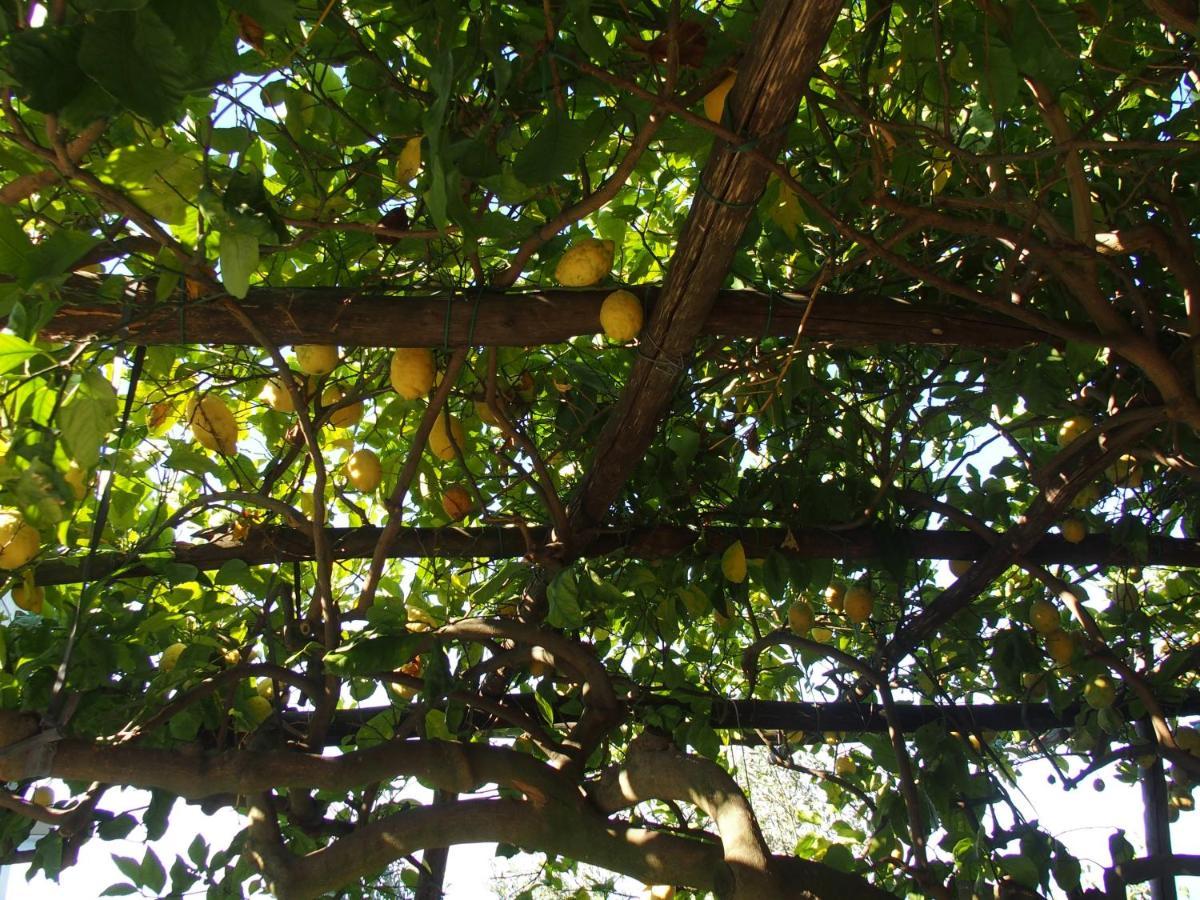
(1087, 497)
(29, 599)
(844, 765)
(77, 479)
(486, 416)
(1073, 530)
(585, 263)
(457, 503)
(363, 470)
(714, 100)
(257, 709)
(412, 372)
(835, 595)
(733, 563)
(960, 567)
(800, 617)
(316, 359)
(265, 688)
(1072, 428)
(213, 425)
(822, 635)
(1043, 616)
(19, 541)
(440, 442)
(275, 394)
(1061, 647)
(859, 604)
(170, 656)
(1125, 472)
(1100, 692)
(409, 162)
(621, 316)
(344, 416)
(42, 796)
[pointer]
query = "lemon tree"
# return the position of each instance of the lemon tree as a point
(555, 405)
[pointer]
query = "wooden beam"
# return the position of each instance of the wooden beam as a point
(273, 544)
(372, 319)
(783, 51)
(748, 715)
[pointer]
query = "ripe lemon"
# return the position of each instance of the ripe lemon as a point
(621, 316)
(42, 796)
(585, 263)
(733, 563)
(409, 162)
(1087, 497)
(821, 635)
(77, 479)
(363, 470)
(859, 604)
(1073, 530)
(1061, 647)
(835, 595)
(316, 359)
(345, 416)
(1072, 428)
(1043, 616)
(213, 425)
(19, 541)
(170, 656)
(486, 416)
(800, 617)
(275, 394)
(844, 765)
(412, 372)
(714, 100)
(29, 599)
(1100, 692)
(457, 503)
(1125, 472)
(439, 443)
(257, 709)
(265, 688)
(960, 567)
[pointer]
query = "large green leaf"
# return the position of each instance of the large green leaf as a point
(162, 180)
(138, 60)
(239, 259)
(45, 64)
(14, 351)
(87, 418)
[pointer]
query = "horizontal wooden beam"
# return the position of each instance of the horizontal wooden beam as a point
(748, 715)
(279, 544)
(490, 318)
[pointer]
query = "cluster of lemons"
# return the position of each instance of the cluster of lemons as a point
(856, 602)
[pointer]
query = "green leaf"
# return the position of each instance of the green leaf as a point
(157, 815)
(136, 58)
(15, 245)
(153, 875)
(57, 254)
(163, 181)
(87, 418)
(563, 597)
(14, 352)
(111, 5)
(554, 150)
(120, 889)
(272, 15)
(239, 259)
(130, 868)
(117, 828)
(44, 63)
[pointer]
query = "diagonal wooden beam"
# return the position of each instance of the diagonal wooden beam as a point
(273, 544)
(491, 318)
(784, 50)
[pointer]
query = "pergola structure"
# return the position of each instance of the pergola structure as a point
(692, 304)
